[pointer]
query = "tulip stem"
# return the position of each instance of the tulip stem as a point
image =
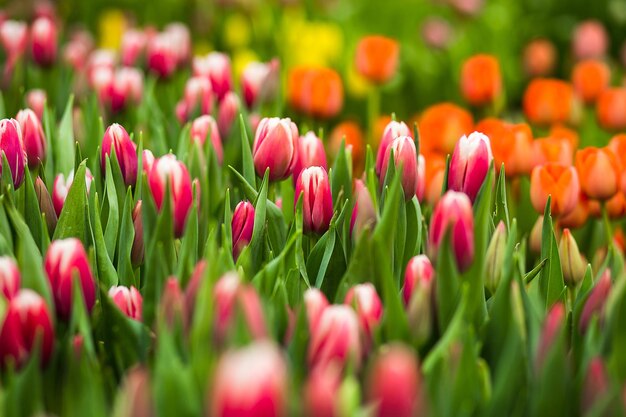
(373, 110)
(607, 225)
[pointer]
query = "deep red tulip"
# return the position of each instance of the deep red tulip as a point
(242, 226)
(128, 300)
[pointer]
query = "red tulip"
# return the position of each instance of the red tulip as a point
(10, 277)
(61, 187)
(128, 300)
(126, 88)
(242, 226)
(198, 99)
(392, 131)
(596, 385)
(336, 338)
(117, 138)
(321, 392)
(364, 213)
(162, 55)
(275, 147)
(317, 200)
(552, 327)
(44, 41)
(261, 369)
(147, 161)
(36, 100)
(419, 272)
(203, 127)
(26, 324)
(167, 170)
(172, 308)
(315, 303)
(33, 137)
(14, 37)
(453, 214)
(369, 309)
(134, 43)
(65, 260)
(228, 113)
(470, 164)
(595, 303)
(259, 82)
(12, 146)
(216, 68)
(405, 157)
(310, 153)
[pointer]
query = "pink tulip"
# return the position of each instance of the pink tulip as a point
(147, 161)
(203, 127)
(392, 131)
(315, 303)
(61, 187)
(44, 41)
(336, 338)
(181, 38)
(191, 291)
(310, 153)
(126, 88)
(14, 37)
(595, 385)
(317, 199)
(33, 137)
(128, 300)
(12, 146)
(65, 260)
(369, 309)
(470, 164)
(590, 40)
(419, 273)
(36, 100)
(134, 43)
(596, 302)
(216, 68)
(242, 226)
(137, 250)
(405, 157)
(172, 305)
(162, 55)
(228, 113)
(10, 277)
(259, 82)
(364, 213)
(552, 327)
(275, 147)
(118, 139)
(321, 392)
(453, 215)
(198, 99)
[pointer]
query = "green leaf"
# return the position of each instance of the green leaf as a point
(104, 265)
(125, 246)
(73, 218)
(341, 177)
(551, 282)
(502, 208)
(32, 212)
(246, 154)
(63, 146)
(113, 218)
(257, 242)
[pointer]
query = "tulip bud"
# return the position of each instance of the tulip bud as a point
(242, 226)
(133, 45)
(275, 147)
(369, 309)
(470, 164)
(172, 305)
(191, 292)
(198, 98)
(46, 206)
(321, 392)
(364, 213)
(599, 172)
(571, 260)
(558, 181)
(418, 295)
(376, 58)
(137, 250)
(27, 324)
(168, 169)
(259, 367)
(317, 199)
(419, 273)
(259, 81)
(405, 157)
(481, 81)
(162, 56)
(65, 260)
(590, 40)
(203, 127)
(315, 303)
(10, 277)
(552, 327)
(453, 215)
(14, 37)
(336, 338)
(437, 33)
(595, 303)
(310, 153)
(216, 68)
(147, 161)
(495, 258)
(539, 58)
(392, 131)
(36, 100)
(33, 137)
(61, 187)
(126, 88)
(135, 396)
(394, 383)
(117, 138)
(228, 112)
(128, 300)
(595, 385)
(12, 146)
(44, 41)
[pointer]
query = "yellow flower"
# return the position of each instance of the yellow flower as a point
(236, 31)
(111, 26)
(357, 85)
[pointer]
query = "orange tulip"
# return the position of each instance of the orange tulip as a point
(539, 58)
(317, 92)
(590, 78)
(611, 109)
(599, 172)
(556, 180)
(552, 149)
(560, 131)
(442, 125)
(377, 58)
(511, 144)
(481, 81)
(577, 217)
(435, 172)
(353, 135)
(547, 101)
(618, 146)
(616, 206)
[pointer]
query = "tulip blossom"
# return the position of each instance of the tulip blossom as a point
(168, 173)
(552, 149)
(26, 325)
(128, 300)
(65, 260)
(368, 307)
(10, 277)
(470, 164)
(172, 309)
(317, 199)
(552, 329)
(133, 45)
(611, 109)
(453, 216)
(442, 125)
(364, 213)
(392, 131)
(261, 368)
(405, 158)
(316, 92)
(198, 99)
(547, 101)
(512, 145)
(481, 81)
(596, 301)
(181, 38)
(571, 260)
(315, 303)
(419, 272)
(43, 41)
(216, 68)
(321, 392)
(126, 88)
(193, 286)
(558, 181)
(539, 58)
(161, 55)
(336, 338)
(590, 78)
(228, 113)
(242, 226)
(137, 250)
(435, 171)
(596, 385)
(12, 146)
(599, 172)
(259, 82)
(352, 136)
(147, 161)
(377, 57)
(310, 153)
(418, 296)
(36, 101)
(33, 137)
(275, 147)
(14, 37)
(61, 187)
(205, 127)
(589, 40)
(118, 139)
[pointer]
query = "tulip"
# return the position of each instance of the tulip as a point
(198, 99)
(596, 385)
(128, 300)
(12, 146)
(317, 199)
(310, 153)
(511, 145)
(216, 68)
(316, 92)
(205, 127)
(558, 181)
(481, 81)
(442, 125)
(61, 187)
(228, 112)
(117, 138)
(147, 161)
(552, 329)
(547, 101)
(405, 157)
(536, 236)
(392, 131)
(46, 206)
(453, 214)
(470, 164)
(336, 338)
(437, 33)
(617, 144)
(10, 277)
(435, 171)
(369, 309)
(36, 100)
(351, 135)
(134, 43)
(599, 172)
(589, 40)
(315, 303)
(172, 307)
(376, 58)
(611, 108)
(126, 88)
(539, 58)
(44, 41)
(596, 301)
(167, 170)
(137, 250)
(495, 258)
(419, 272)
(571, 260)
(27, 325)
(76, 52)
(417, 294)
(552, 149)
(162, 55)
(181, 39)
(242, 226)
(394, 383)
(135, 395)
(261, 368)
(321, 392)
(33, 137)
(259, 82)
(65, 260)
(590, 78)
(14, 37)
(364, 213)
(275, 147)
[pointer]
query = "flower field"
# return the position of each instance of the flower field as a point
(318, 208)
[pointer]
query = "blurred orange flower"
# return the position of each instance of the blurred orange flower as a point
(611, 109)
(577, 217)
(559, 131)
(618, 145)
(616, 206)
(511, 144)
(353, 135)
(377, 58)
(556, 180)
(599, 172)
(547, 101)
(552, 149)
(435, 173)
(441, 126)
(317, 92)
(590, 78)
(481, 81)
(539, 58)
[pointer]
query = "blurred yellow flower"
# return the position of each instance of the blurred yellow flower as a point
(310, 43)
(356, 84)
(202, 47)
(111, 26)
(236, 31)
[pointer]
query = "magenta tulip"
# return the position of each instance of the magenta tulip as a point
(205, 127)
(405, 157)
(275, 147)
(128, 300)
(336, 338)
(242, 226)
(10, 277)
(33, 137)
(12, 146)
(392, 131)
(61, 187)
(44, 41)
(216, 68)
(470, 164)
(317, 199)
(315, 303)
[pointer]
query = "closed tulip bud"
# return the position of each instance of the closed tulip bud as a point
(315, 92)
(611, 109)
(137, 250)
(418, 296)
(535, 238)
(336, 338)
(32, 136)
(162, 55)
(453, 216)
(276, 147)
(310, 153)
(61, 187)
(377, 57)
(599, 172)
(172, 305)
(135, 396)
(228, 111)
(147, 160)
(14, 37)
(558, 181)
(419, 272)
(191, 291)
(366, 302)
(596, 385)
(552, 328)
(216, 68)
(441, 126)
(65, 260)
(539, 58)
(36, 100)
(198, 97)
(481, 81)
(128, 300)
(548, 101)
(571, 260)
(405, 157)
(46, 206)
(315, 303)
(364, 213)
(470, 164)
(596, 302)
(44, 41)
(495, 258)
(261, 368)
(242, 226)
(133, 45)
(117, 138)
(589, 40)
(205, 127)
(12, 146)
(259, 82)
(10, 277)
(181, 37)
(317, 199)
(27, 325)
(321, 392)
(437, 33)
(392, 131)
(590, 78)
(167, 170)
(126, 88)
(394, 383)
